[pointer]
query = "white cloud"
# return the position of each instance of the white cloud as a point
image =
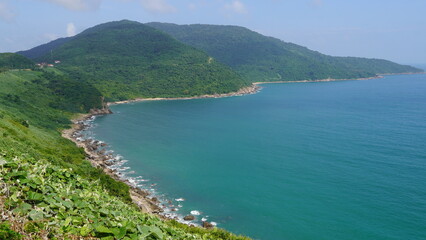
(70, 29)
(6, 14)
(78, 5)
(158, 6)
(236, 6)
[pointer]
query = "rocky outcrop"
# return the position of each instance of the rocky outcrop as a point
(102, 111)
(207, 225)
(189, 218)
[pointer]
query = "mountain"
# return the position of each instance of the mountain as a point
(127, 59)
(48, 188)
(44, 49)
(261, 58)
(14, 61)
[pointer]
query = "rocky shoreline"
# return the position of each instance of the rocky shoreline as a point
(99, 157)
(254, 88)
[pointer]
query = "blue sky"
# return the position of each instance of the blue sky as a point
(389, 29)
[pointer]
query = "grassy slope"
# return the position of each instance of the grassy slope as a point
(31, 114)
(58, 193)
(127, 59)
(261, 58)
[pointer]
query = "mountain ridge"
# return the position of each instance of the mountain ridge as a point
(262, 58)
(126, 60)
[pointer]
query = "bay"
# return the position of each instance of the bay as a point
(329, 160)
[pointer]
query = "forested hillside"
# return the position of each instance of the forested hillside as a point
(261, 58)
(48, 190)
(12, 61)
(125, 60)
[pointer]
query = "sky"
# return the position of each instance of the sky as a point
(390, 29)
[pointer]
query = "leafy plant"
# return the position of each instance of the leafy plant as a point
(59, 201)
(7, 233)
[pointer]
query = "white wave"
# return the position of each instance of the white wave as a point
(195, 212)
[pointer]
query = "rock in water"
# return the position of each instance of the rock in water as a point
(189, 218)
(207, 225)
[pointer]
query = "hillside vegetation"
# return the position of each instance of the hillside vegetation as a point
(261, 58)
(125, 60)
(47, 187)
(13, 61)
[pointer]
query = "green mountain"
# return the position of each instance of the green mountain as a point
(126, 60)
(261, 58)
(40, 51)
(48, 189)
(14, 61)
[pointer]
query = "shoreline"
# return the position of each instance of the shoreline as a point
(321, 80)
(100, 158)
(97, 155)
(381, 75)
(243, 91)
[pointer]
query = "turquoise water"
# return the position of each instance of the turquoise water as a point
(332, 160)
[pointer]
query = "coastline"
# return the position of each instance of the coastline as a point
(321, 80)
(99, 158)
(243, 91)
(97, 155)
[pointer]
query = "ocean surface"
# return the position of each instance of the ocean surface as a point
(330, 160)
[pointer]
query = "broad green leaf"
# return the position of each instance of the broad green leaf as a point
(67, 221)
(33, 196)
(35, 215)
(102, 229)
(23, 208)
(119, 233)
(157, 232)
(85, 230)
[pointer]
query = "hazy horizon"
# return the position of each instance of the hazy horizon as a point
(391, 30)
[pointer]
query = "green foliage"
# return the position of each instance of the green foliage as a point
(261, 58)
(73, 96)
(7, 233)
(34, 105)
(127, 60)
(61, 202)
(44, 49)
(14, 61)
(51, 185)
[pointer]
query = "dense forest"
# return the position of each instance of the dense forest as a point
(13, 61)
(259, 58)
(125, 60)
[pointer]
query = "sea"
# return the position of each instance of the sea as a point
(324, 160)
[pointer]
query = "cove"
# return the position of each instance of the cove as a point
(329, 160)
